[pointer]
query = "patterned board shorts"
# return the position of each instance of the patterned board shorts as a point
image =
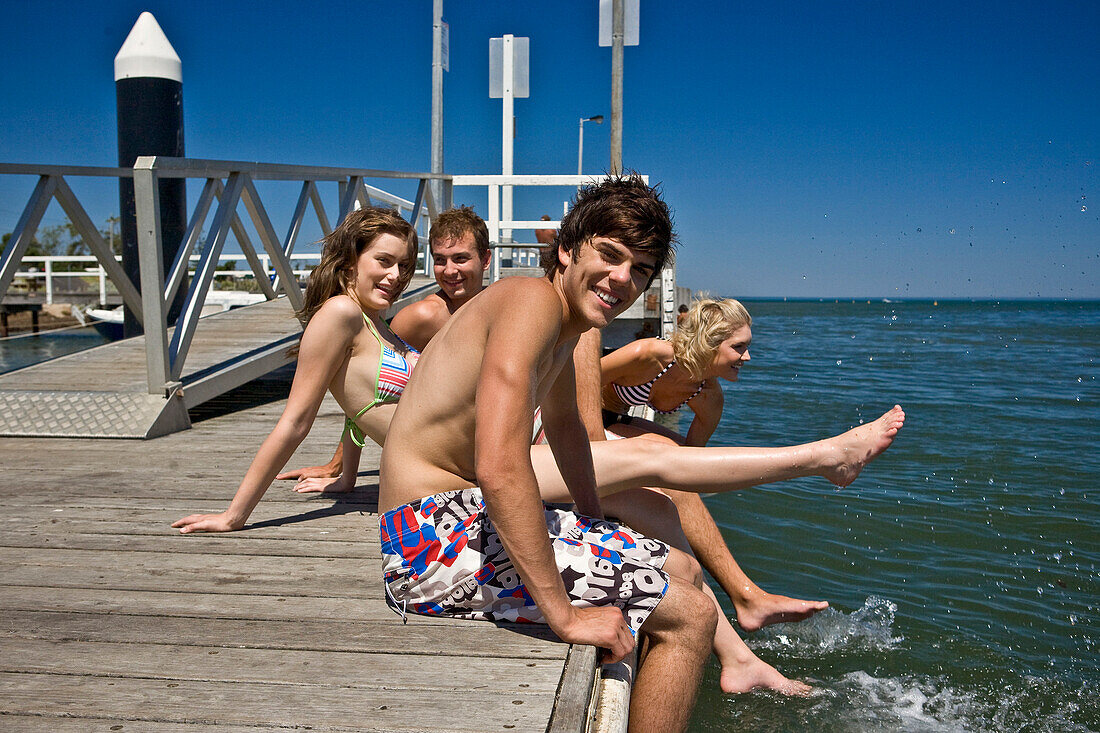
(441, 556)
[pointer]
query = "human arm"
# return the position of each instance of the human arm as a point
(517, 340)
(350, 453)
(586, 366)
(324, 346)
(707, 406)
(565, 432)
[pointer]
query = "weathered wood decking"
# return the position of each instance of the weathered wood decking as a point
(112, 621)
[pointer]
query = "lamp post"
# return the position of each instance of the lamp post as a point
(598, 119)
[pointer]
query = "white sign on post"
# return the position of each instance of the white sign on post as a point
(630, 22)
(521, 87)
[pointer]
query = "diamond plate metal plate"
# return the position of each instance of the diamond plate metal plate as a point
(34, 413)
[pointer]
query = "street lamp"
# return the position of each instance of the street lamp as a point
(598, 119)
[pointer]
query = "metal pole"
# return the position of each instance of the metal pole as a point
(437, 99)
(580, 145)
(617, 16)
(508, 136)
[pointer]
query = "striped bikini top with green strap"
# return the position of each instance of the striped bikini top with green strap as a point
(393, 374)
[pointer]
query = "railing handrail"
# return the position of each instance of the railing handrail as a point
(201, 168)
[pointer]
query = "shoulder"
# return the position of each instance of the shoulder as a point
(643, 350)
(423, 311)
(521, 297)
(419, 322)
(338, 312)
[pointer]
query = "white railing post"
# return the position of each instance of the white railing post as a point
(102, 285)
(49, 280)
(494, 231)
(153, 308)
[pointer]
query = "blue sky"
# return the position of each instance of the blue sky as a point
(860, 149)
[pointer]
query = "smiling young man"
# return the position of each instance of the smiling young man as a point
(464, 532)
(459, 242)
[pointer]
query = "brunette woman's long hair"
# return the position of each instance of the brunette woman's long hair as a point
(335, 275)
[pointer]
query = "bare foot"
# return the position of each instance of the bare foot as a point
(849, 452)
(764, 609)
(754, 674)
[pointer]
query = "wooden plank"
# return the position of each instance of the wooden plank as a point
(70, 724)
(170, 661)
(294, 577)
(249, 703)
(572, 705)
(384, 636)
(154, 541)
(246, 607)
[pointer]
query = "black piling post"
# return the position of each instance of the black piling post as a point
(149, 97)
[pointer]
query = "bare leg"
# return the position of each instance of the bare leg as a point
(678, 635)
(653, 514)
(756, 608)
(634, 462)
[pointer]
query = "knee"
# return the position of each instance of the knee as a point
(701, 616)
(684, 566)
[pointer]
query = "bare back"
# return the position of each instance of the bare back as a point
(430, 447)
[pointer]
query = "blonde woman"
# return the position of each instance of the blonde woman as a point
(710, 343)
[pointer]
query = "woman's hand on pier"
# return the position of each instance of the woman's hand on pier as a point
(206, 523)
(336, 485)
(329, 470)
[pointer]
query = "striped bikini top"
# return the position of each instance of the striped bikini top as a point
(638, 394)
(393, 374)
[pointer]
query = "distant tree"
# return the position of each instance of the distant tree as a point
(63, 240)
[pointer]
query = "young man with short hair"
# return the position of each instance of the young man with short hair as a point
(464, 532)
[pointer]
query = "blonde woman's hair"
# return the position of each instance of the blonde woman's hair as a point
(702, 330)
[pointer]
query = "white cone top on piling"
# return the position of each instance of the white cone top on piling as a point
(147, 52)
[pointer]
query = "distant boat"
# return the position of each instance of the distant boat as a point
(108, 322)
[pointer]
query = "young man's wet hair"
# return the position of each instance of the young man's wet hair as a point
(453, 223)
(623, 208)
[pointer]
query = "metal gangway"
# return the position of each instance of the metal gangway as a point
(142, 387)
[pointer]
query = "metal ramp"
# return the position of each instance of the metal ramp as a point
(102, 392)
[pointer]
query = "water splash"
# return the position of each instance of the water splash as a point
(869, 628)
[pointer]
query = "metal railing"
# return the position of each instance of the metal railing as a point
(227, 185)
(48, 272)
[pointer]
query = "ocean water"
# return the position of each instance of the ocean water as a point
(962, 566)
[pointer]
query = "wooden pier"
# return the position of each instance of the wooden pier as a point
(113, 621)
